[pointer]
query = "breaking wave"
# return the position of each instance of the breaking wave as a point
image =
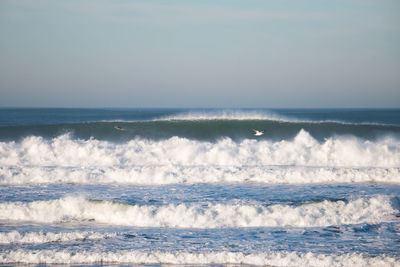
(205, 215)
(181, 160)
(303, 150)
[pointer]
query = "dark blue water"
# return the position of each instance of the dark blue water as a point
(121, 125)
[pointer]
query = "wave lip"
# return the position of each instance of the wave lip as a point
(15, 237)
(204, 215)
(138, 257)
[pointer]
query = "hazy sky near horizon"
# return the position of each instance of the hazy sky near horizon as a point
(202, 53)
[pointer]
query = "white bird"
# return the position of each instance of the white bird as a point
(257, 132)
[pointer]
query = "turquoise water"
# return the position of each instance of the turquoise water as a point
(194, 187)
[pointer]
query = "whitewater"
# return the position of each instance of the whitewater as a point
(321, 187)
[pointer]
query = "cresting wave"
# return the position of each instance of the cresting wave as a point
(249, 115)
(139, 257)
(15, 237)
(204, 215)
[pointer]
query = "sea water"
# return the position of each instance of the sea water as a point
(320, 187)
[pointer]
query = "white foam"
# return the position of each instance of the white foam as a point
(15, 237)
(203, 215)
(138, 257)
(304, 150)
(177, 160)
(178, 174)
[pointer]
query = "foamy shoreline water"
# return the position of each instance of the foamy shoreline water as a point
(137, 257)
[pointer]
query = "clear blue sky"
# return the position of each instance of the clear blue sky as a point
(201, 53)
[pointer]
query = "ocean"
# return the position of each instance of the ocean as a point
(196, 187)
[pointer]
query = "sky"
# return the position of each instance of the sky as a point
(200, 53)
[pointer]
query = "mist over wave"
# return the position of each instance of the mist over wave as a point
(226, 115)
(264, 115)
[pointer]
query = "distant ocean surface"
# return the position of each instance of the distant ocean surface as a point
(320, 187)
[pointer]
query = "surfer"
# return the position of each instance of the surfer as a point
(257, 132)
(119, 128)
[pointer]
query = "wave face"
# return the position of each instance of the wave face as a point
(206, 215)
(181, 160)
(210, 130)
(208, 125)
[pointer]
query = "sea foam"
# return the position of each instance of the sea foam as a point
(203, 215)
(15, 237)
(178, 174)
(138, 257)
